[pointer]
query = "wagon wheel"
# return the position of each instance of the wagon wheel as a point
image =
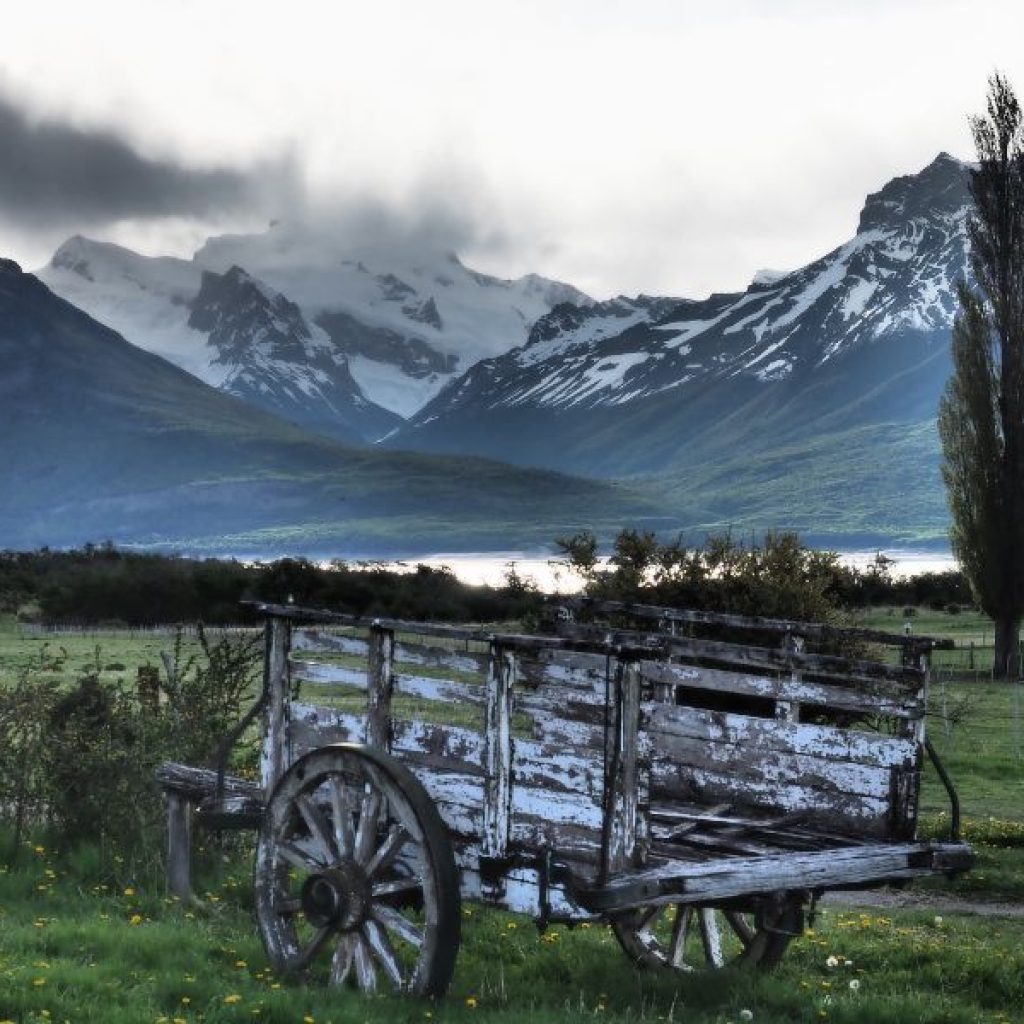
(693, 937)
(355, 875)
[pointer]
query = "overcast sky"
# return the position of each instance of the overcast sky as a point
(666, 147)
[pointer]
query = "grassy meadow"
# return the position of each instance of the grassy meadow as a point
(82, 945)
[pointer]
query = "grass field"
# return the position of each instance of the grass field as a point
(80, 948)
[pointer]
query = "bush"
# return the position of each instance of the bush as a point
(82, 762)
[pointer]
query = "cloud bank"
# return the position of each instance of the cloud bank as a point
(54, 174)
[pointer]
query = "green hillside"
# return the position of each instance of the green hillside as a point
(101, 440)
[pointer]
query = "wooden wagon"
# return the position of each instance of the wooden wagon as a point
(635, 767)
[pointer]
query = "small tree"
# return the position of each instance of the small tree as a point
(981, 415)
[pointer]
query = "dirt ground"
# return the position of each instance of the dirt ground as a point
(915, 899)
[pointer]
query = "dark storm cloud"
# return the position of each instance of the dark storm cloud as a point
(52, 172)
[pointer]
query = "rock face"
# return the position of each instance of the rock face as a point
(381, 331)
(272, 358)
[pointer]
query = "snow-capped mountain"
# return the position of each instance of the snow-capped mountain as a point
(648, 384)
(293, 320)
(407, 321)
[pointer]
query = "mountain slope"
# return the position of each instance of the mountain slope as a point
(100, 439)
(854, 345)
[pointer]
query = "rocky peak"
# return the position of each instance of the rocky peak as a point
(9, 267)
(938, 191)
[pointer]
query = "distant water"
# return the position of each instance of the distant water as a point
(552, 576)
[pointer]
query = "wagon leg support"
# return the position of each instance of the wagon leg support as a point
(179, 846)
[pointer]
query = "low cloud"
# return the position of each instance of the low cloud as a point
(53, 174)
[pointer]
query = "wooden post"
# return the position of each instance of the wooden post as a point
(276, 755)
(786, 710)
(380, 685)
(147, 686)
(624, 789)
(498, 753)
(179, 845)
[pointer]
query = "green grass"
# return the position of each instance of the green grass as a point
(115, 654)
(84, 954)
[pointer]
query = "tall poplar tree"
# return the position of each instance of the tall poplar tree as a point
(981, 415)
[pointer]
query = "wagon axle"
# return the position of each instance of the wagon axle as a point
(338, 897)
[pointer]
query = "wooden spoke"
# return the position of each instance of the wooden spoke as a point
(308, 954)
(287, 906)
(341, 960)
(711, 937)
(299, 858)
(366, 973)
(319, 829)
(380, 945)
(680, 931)
(341, 813)
(387, 851)
(396, 886)
(401, 926)
(741, 926)
(648, 919)
(366, 833)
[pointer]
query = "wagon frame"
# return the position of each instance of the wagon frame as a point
(696, 793)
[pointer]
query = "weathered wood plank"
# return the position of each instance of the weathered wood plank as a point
(576, 670)
(810, 630)
(880, 699)
(440, 748)
(765, 737)
(426, 656)
(546, 766)
(325, 674)
(671, 780)
(332, 643)
(195, 784)
(444, 690)
(822, 665)
(726, 878)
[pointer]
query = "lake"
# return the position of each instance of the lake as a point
(551, 576)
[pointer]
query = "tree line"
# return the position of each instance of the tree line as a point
(779, 575)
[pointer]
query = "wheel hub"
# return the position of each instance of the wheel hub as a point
(337, 897)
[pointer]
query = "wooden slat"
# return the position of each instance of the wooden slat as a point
(842, 669)
(546, 766)
(671, 780)
(754, 738)
(446, 690)
(879, 698)
(580, 671)
(324, 674)
(426, 656)
(810, 630)
(333, 643)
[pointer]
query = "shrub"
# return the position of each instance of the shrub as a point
(83, 761)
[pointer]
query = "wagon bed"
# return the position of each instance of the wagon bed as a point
(632, 765)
